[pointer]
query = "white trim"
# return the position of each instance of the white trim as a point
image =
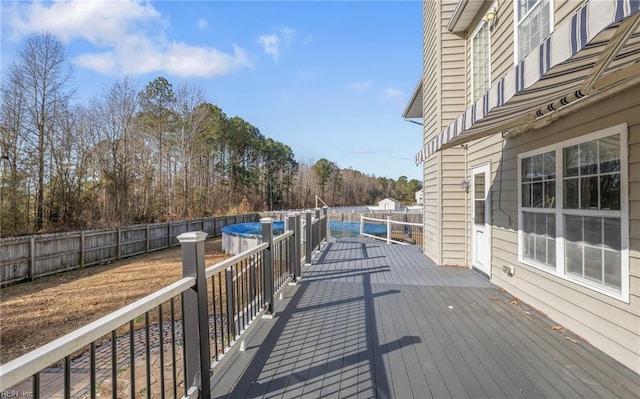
(483, 22)
(516, 24)
(623, 214)
(486, 169)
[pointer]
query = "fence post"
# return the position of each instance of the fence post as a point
(119, 241)
(32, 258)
(147, 237)
(308, 239)
(291, 248)
(195, 316)
(168, 234)
(361, 225)
(82, 249)
(388, 229)
(267, 268)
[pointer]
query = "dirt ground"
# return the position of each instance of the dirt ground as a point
(35, 313)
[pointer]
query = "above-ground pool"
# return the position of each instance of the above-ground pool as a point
(237, 238)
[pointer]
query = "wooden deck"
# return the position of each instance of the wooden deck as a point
(377, 320)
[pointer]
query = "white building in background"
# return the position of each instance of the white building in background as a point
(419, 197)
(388, 204)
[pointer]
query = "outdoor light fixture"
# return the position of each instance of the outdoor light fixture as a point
(491, 16)
(465, 184)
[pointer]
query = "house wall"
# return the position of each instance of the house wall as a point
(431, 123)
(609, 324)
(487, 150)
(453, 171)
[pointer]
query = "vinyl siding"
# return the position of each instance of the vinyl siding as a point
(431, 122)
(609, 324)
(453, 100)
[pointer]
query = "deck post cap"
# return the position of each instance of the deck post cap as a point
(192, 236)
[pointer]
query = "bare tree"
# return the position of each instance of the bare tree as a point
(113, 134)
(43, 76)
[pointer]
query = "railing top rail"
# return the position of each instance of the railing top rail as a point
(25, 366)
(391, 221)
(211, 270)
(405, 223)
(282, 236)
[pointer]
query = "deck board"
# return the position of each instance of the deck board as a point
(377, 320)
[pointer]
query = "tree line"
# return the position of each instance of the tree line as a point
(136, 154)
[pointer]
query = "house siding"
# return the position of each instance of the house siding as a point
(453, 170)
(607, 323)
(431, 123)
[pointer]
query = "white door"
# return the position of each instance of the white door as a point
(481, 218)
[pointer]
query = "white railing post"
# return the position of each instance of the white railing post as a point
(388, 229)
(195, 316)
(361, 225)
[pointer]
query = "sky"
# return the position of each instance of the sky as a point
(328, 78)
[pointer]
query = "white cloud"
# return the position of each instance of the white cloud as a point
(202, 23)
(359, 85)
(271, 45)
(287, 35)
(273, 42)
(128, 36)
(393, 94)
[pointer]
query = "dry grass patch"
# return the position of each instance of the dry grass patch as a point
(38, 312)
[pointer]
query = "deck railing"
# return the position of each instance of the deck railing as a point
(397, 232)
(169, 343)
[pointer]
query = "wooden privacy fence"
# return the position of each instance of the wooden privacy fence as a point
(25, 258)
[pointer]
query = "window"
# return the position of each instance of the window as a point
(538, 200)
(573, 211)
(480, 61)
(533, 25)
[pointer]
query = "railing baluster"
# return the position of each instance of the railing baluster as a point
(161, 341)
(216, 317)
(36, 385)
(173, 348)
(67, 377)
(92, 366)
(147, 348)
(231, 330)
(114, 366)
(223, 318)
(243, 295)
(132, 359)
(267, 272)
(252, 285)
(184, 351)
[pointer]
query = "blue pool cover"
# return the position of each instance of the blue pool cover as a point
(340, 229)
(252, 229)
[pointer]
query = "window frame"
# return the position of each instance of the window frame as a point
(559, 210)
(483, 22)
(516, 24)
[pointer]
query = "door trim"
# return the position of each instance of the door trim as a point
(484, 168)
